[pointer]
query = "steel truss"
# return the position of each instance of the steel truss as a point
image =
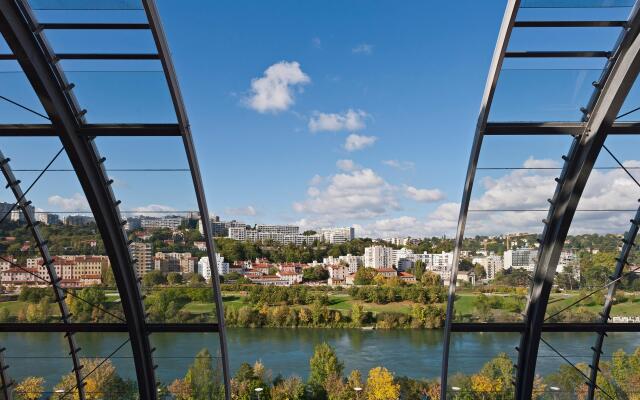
(47, 260)
(610, 91)
(28, 44)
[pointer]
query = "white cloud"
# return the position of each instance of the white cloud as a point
(347, 165)
(316, 180)
(529, 190)
(358, 142)
(77, 202)
(363, 48)
(423, 195)
(247, 211)
(350, 120)
(401, 165)
(273, 92)
(156, 210)
(351, 195)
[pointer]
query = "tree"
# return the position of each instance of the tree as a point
(479, 271)
(380, 385)
(288, 389)
(203, 379)
(357, 314)
(30, 388)
(103, 384)
(180, 389)
(364, 276)
(174, 278)
(430, 279)
(154, 278)
(324, 363)
(418, 270)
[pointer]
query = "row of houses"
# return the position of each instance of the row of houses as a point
(73, 271)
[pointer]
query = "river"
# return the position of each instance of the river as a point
(414, 353)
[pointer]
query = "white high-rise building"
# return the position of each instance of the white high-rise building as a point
(524, 258)
(378, 257)
(338, 235)
(205, 270)
(492, 264)
(279, 229)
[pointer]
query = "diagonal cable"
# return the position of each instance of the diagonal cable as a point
(576, 368)
(15, 103)
(66, 291)
(107, 358)
(620, 164)
(32, 184)
(592, 293)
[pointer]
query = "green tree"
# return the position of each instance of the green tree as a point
(323, 364)
(154, 278)
(174, 278)
(364, 276)
(203, 378)
(418, 270)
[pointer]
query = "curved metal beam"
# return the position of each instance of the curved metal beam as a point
(48, 262)
(183, 121)
(21, 33)
(578, 165)
(621, 261)
(494, 71)
(5, 381)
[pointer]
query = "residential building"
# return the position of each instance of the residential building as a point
(73, 271)
(269, 280)
(278, 229)
(133, 223)
(353, 262)
(205, 270)
(255, 235)
(387, 272)
(172, 222)
(175, 262)
(337, 235)
(491, 263)
(523, 258)
(18, 216)
(337, 274)
(407, 277)
(378, 257)
(79, 220)
(292, 277)
(143, 254)
(47, 218)
(403, 259)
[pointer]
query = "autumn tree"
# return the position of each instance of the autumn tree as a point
(323, 364)
(380, 385)
(30, 388)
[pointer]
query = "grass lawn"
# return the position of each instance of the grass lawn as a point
(199, 308)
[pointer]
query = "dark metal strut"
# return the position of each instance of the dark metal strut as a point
(28, 44)
(23, 205)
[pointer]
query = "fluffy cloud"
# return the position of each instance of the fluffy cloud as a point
(350, 120)
(401, 165)
(248, 211)
(347, 165)
(423, 195)
(273, 92)
(155, 210)
(350, 195)
(358, 142)
(529, 190)
(363, 48)
(77, 202)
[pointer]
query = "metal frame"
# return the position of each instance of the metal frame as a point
(27, 43)
(519, 327)
(5, 381)
(105, 327)
(59, 295)
(621, 262)
(555, 128)
(617, 80)
(183, 121)
(489, 90)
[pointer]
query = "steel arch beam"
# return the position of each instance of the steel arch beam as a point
(5, 381)
(494, 71)
(616, 83)
(183, 121)
(47, 260)
(20, 31)
(621, 261)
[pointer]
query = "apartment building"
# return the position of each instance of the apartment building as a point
(337, 235)
(143, 254)
(205, 269)
(172, 222)
(182, 263)
(378, 257)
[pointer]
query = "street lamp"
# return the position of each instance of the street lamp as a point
(358, 390)
(455, 389)
(555, 391)
(258, 391)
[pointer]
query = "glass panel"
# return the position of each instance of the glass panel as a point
(555, 378)
(85, 5)
(542, 95)
(17, 95)
(147, 97)
(98, 41)
(481, 365)
(177, 354)
(575, 3)
(163, 224)
(557, 39)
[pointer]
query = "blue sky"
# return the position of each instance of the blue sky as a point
(275, 89)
